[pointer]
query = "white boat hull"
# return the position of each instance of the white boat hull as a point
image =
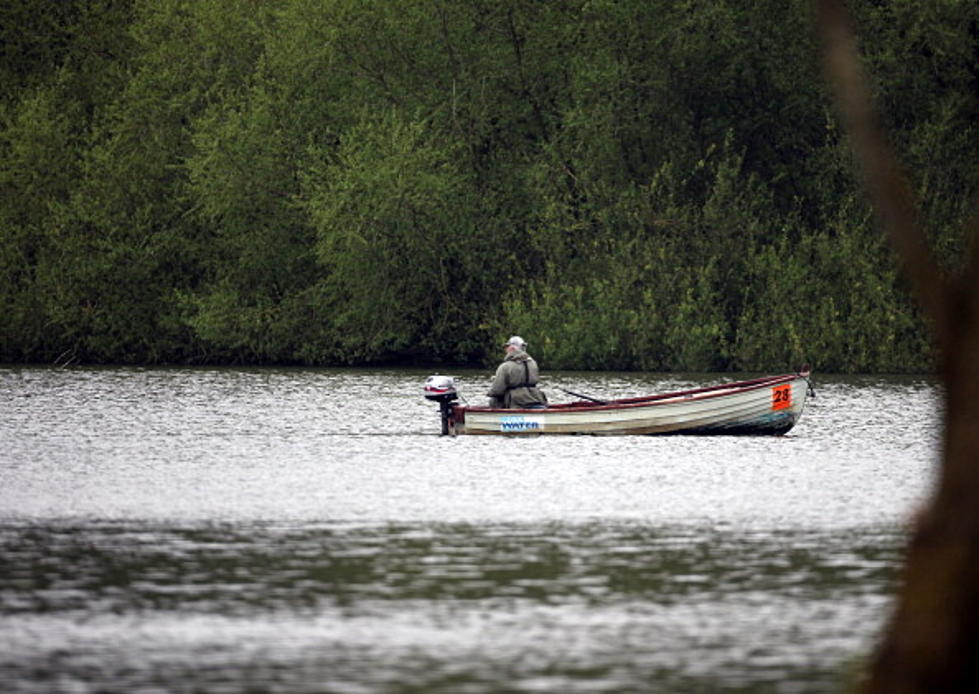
(769, 405)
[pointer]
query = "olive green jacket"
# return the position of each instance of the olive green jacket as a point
(515, 382)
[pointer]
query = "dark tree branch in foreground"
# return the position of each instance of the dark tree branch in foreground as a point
(933, 635)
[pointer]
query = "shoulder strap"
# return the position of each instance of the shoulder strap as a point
(526, 377)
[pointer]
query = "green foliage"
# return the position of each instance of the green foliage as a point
(630, 185)
(391, 220)
(35, 139)
(831, 300)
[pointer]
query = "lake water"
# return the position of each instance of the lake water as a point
(303, 530)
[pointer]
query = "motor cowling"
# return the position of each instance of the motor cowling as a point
(441, 389)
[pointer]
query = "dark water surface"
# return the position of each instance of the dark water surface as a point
(215, 530)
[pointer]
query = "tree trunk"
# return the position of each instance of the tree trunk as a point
(932, 639)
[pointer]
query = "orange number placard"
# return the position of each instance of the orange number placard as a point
(781, 397)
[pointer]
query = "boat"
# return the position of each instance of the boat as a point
(769, 405)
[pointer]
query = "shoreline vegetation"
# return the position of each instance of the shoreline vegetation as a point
(652, 186)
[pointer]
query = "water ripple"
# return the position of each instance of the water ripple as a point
(304, 530)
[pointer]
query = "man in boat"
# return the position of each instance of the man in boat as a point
(515, 382)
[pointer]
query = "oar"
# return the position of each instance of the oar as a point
(579, 395)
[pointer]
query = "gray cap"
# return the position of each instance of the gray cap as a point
(516, 341)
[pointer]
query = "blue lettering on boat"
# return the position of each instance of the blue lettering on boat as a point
(520, 423)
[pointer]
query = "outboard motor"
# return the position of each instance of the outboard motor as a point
(442, 389)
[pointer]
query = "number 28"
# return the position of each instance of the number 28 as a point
(781, 397)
